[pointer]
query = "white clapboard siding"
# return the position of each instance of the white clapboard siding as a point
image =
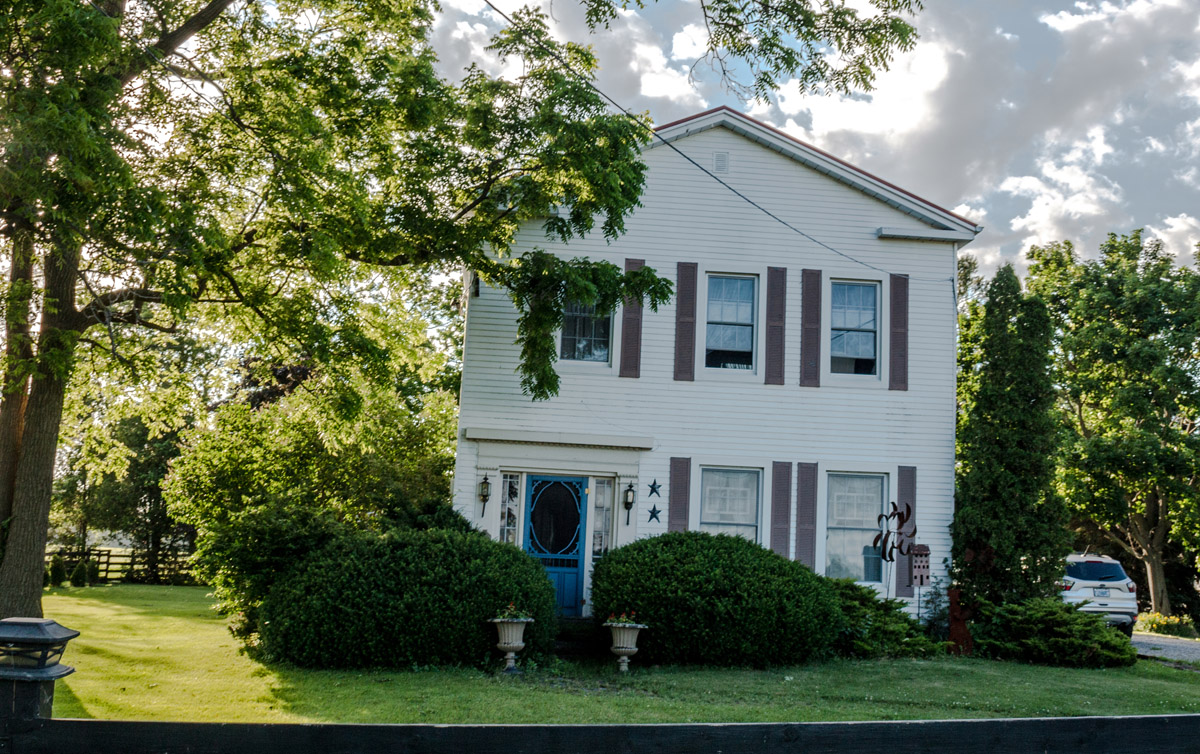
(847, 424)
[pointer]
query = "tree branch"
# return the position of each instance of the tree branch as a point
(171, 41)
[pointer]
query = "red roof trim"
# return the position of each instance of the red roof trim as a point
(823, 153)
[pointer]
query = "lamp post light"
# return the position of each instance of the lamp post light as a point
(30, 650)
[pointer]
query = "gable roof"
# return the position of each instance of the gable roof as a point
(945, 225)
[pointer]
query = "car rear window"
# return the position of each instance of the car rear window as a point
(1096, 570)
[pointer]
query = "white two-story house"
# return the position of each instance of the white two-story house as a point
(800, 381)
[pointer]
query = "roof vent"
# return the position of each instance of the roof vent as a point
(720, 162)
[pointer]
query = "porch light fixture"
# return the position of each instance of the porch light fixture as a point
(629, 496)
(485, 491)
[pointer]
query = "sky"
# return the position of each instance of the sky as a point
(1041, 120)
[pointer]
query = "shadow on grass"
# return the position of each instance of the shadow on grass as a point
(67, 704)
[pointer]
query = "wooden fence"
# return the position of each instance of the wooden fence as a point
(115, 564)
(1093, 735)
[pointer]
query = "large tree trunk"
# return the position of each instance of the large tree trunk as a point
(1156, 583)
(14, 386)
(25, 550)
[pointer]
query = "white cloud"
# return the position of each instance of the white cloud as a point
(659, 79)
(1091, 13)
(689, 43)
(1069, 191)
(1179, 235)
(900, 103)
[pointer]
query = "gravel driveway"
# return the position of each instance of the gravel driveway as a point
(1166, 647)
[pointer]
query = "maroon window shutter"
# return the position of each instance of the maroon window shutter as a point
(679, 496)
(898, 353)
(810, 328)
(776, 314)
(685, 322)
(906, 494)
(806, 514)
(781, 495)
(631, 329)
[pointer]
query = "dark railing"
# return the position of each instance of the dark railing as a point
(1093, 735)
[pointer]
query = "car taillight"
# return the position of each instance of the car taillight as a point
(1066, 585)
(1132, 586)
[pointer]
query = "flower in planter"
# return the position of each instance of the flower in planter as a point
(512, 612)
(626, 618)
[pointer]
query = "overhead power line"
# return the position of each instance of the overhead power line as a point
(656, 135)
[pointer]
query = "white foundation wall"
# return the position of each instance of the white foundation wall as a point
(603, 425)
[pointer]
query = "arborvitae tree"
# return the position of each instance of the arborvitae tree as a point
(1010, 528)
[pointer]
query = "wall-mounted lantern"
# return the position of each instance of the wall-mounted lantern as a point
(30, 650)
(629, 497)
(485, 492)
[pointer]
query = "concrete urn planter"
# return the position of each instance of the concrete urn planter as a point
(624, 642)
(512, 640)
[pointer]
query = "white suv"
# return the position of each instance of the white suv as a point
(1101, 582)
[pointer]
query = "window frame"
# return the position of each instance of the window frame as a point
(613, 319)
(760, 492)
(756, 328)
(830, 378)
(826, 508)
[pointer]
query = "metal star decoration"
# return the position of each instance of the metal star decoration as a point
(654, 511)
(654, 489)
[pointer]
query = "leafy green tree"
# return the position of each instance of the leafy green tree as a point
(1010, 528)
(265, 486)
(1127, 363)
(288, 163)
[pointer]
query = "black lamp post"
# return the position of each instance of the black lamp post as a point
(630, 495)
(30, 649)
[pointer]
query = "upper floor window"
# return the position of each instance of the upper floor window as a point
(729, 502)
(854, 328)
(729, 340)
(855, 504)
(585, 335)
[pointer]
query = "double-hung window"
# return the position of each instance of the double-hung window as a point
(854, 328)
(585, 335)
(729, 502)
(729, 339)
(855, 504)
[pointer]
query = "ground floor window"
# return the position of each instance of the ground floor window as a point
(510, 499)
(855, 503)
(729, 502)
(602, 511)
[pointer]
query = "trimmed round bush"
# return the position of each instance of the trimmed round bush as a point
(1047, 631)
(405, 599)
(716, 600)
(874, 627)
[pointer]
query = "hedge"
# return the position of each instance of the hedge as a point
(405, 599)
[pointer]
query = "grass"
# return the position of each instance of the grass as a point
(161, 653)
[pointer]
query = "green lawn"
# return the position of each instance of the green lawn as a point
(161, 653)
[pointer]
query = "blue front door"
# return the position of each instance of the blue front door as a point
(554, 526)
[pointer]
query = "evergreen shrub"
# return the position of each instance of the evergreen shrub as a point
(873, 627)
(1047, 631)
(79, 574)
(717, 600)
(405, 599)
(58, 570)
